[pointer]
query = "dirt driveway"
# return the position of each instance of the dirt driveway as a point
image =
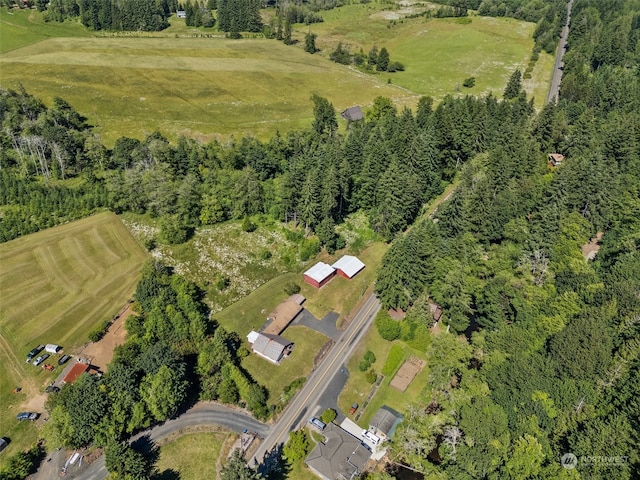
(99, 354)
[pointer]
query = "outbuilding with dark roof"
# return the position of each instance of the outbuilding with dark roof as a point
(384, 422)
(352, 114)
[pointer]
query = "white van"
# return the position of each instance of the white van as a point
(374, 439)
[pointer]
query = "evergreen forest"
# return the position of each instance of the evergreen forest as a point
(538, 353)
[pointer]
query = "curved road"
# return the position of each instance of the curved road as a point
(554, 88)
(204, 413)
(208, 413)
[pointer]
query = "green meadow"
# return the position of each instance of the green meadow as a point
(180, 83)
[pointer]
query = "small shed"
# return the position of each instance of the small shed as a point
(51, 348)
(271, 347)
(75, 372)
(348, 266)
(555, 159)
(436, 311)
(352, 114)
(181, 14)
(3, 444)
(319, 274)
(384, 422)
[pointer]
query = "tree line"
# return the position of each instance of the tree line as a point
(538, 354)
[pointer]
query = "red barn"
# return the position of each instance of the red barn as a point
(348, 266)
(319, 274)
(73, 374)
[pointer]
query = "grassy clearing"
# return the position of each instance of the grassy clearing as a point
(357, 388)
(25, 27)
(246, 260)
(201, 87)
(276, 377)
(439, 54)
(204, 449)
(56, 286)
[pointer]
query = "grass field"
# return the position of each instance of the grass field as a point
(204, 451)
(215, 87)
(55, 286)
(438, 54)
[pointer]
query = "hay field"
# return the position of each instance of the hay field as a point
(57, 284)
(200, 87)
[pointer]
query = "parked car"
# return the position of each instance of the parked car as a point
(27, 416)
(52, 389)
(374, 439)
(35, 351)
(64, 359)
(316, 422)
(353, 408)
(40, 359)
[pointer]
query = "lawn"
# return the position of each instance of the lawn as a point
(56, 286)
(275, 377)
(357, 388)
(200, 462)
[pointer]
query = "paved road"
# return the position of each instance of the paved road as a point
(204, 413)
(554, 88)
(306, 402)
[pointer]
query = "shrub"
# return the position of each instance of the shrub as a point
(265, 254)
(394, 360)
(291, 288)
(371, 376)
(222, 283)
(248, 225)
(387, 327)
(329, 415)
(310, 247)
(370, 357)
(364, 366)
(97, 333)
(469, 82)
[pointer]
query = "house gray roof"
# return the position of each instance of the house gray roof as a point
(339, 456)
(385, 421)
(270, 346)
(352, 114)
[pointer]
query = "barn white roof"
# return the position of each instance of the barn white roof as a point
(349, 265)
(320, 271)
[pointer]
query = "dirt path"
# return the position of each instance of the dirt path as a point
(100, 353)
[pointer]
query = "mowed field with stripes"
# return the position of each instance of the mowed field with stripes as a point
(58, 283)
(55, 287)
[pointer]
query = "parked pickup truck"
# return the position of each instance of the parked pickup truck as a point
(34, 352)
(353, 408)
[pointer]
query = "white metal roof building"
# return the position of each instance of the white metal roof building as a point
(348, 266)
(319, 274)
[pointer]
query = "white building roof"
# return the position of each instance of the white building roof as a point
(320, 271)
(349, 265)
(252, 336)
